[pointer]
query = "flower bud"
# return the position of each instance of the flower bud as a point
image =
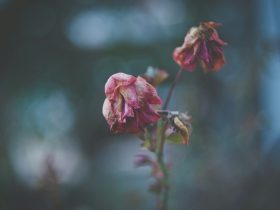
(155, 76)
(142, 160)
(179, 127)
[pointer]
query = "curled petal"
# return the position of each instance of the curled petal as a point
(118, 106)
(191, 37)
(148, 115)
(211, 24)
(204, 54)
(130, 95)
(217, 60)
(108, 113)
(183, 129)
(115, 81)
(106, 109)
(127, 112)
(185, 57)
(146, 92)
(215, 37)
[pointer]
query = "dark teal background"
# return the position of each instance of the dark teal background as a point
(56, 151)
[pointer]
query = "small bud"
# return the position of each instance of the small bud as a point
(142, 160)
(180, 129)
(183, 129)
(157, 172)
(155, 76)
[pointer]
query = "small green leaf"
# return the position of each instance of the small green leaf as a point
(175, 138)
(183, 129)
(146, 144)
(147, 141)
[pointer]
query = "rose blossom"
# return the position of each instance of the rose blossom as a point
(128, 106)
(201, 43)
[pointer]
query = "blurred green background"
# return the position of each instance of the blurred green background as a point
(56, 151)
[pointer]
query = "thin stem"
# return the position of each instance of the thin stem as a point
(161, 127)
(172, 88)
(167, 113)
(165, 183)
(160, 159)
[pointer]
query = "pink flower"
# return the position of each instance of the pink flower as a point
(203, 44)
(128, 106)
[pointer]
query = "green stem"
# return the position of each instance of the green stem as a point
(161, 127)
(160, 159)
(148, 142)
(165, 184)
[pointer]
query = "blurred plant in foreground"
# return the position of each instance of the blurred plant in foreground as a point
(132, 104)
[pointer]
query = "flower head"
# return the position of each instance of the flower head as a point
(203, 44)
(128, 106)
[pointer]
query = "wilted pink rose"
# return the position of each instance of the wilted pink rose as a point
(203, 44)
(128, 106)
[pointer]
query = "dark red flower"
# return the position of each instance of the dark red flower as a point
(128, 106)
(203, 44)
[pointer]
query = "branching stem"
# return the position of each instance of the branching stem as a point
(172, 88)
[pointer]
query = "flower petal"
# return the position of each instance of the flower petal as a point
(148, 115)
(204, 55)
(115, 81)
(191, 37)
(130, 95)
(108, 113)
(215, 37)
(217, 60)
(185, 57)
(146, 93)
(127, 112)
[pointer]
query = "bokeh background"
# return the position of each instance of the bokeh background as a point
(56, 151)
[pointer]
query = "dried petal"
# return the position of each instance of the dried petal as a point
(185, 57)
(182, 129)
(146, 92)
(128, 106)
(201, 43)
(179, 129)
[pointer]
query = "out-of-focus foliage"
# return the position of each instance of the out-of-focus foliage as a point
(56, 151)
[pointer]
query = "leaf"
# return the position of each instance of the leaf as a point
(147, 141)
(182, 135)
(184, 131)
(175, 138)
(146, 144)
